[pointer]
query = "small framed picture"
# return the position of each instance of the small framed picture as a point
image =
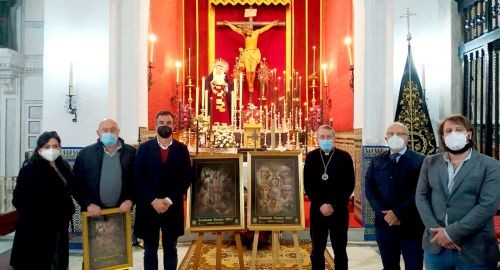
(216, 198)
(107, 240)
(275, 192)
(34, 127)
(35, 112)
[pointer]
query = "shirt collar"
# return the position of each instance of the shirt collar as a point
(402, 151)
(118, 148)
(446, 156)
(163, 146)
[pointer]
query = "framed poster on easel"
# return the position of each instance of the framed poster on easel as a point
(275, 192)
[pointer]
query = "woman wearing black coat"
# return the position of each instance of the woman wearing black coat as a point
(44, 207)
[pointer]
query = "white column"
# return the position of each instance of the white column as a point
(373, 68)
(129, 67)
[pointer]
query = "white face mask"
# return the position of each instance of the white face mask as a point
(396, 143)
(50, 154)
(455, 140)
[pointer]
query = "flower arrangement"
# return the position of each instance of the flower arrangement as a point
(186, 116)
(224, 137)
(315, 120)
(251, 112)
(203, 123)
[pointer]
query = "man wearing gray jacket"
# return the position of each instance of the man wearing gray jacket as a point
(457, 196)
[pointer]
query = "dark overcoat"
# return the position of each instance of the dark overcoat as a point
(155, 179)
(44, 209)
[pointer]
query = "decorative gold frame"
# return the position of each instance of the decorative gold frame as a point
(99, 251)
(289, 38)
(260, 221)
(225, 215)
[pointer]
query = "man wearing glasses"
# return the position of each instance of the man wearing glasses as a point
(390, 185)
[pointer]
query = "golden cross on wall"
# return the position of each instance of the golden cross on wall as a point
(408, 15)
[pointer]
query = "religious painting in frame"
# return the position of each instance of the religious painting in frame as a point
(216, 197)
(275, 191)
(107, 240)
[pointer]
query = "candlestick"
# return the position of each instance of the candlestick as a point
(314, 60)
(197, 103)
(152, 40)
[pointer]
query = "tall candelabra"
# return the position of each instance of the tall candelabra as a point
(71, 103)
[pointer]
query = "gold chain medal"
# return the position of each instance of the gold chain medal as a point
(325, 175)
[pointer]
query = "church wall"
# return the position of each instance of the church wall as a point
(76, 31)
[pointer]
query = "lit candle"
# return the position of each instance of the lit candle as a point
(177, 69)
(241, 92)
(423, 77)
(197, 100)
(232, 110)
(314, 60)
(71, 73)
(325, 81)
(206, 102)
(71, 78)
(347, 42)
(152, 40)
(189, 62)
(203, 104)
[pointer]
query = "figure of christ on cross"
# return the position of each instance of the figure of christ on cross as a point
(250, 55)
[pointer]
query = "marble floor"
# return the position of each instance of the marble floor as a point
(362, 255)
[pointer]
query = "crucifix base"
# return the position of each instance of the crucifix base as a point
(251, 134)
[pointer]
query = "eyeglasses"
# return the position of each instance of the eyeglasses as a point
(399, 134)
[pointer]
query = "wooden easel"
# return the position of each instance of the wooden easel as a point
(275, 250)
(218, 241)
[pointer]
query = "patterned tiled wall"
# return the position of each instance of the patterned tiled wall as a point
(369, 152)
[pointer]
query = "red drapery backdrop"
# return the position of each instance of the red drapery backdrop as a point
(272, 43)
(336, 22)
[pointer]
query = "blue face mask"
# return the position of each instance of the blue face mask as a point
(326, 145)
(109, 139)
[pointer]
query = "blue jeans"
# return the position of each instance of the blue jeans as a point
(169, 243)
(449, 259)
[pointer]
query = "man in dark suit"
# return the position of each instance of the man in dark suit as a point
(390, 186)
(457, 195)
(162, 176)
(328, 182)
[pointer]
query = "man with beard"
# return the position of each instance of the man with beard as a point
(162, 176)
(220, 93)
(457, 197)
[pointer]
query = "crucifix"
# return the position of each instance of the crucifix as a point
(411, 87)
(408, 15)
(250, 55)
